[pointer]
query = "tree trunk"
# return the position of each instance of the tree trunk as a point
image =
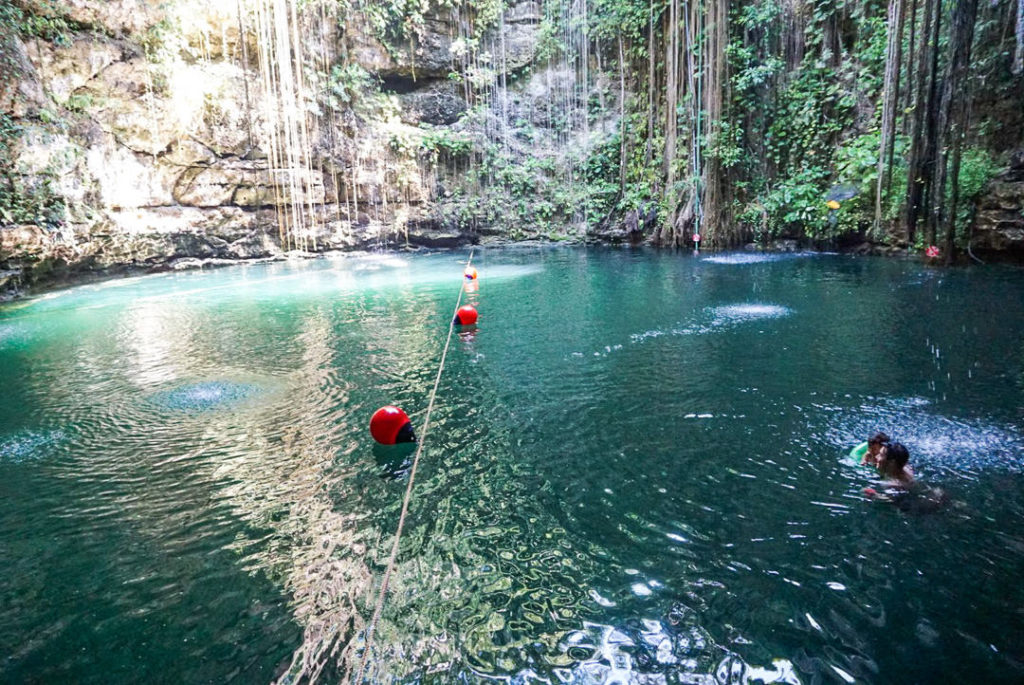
(931, 138)
(917, 167)
(953, 113)
(622, 121)
(1018, 53)
(649, 150)
(714, 204)
(671, 93)
(890, 96)
(909, 90)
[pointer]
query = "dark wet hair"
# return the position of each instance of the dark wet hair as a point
(879, 438)
(898, 453)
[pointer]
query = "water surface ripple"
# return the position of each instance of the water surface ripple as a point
(637, 472)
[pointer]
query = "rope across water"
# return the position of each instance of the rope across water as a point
(408, 489)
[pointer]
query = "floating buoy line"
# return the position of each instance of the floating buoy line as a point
(392, 425)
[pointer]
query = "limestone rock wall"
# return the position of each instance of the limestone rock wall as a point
(147, 118)
(999, 223)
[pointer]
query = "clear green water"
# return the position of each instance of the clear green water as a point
(636, 473)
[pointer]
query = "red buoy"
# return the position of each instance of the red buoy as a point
(470, 273)
(465, 316)
(390, 425)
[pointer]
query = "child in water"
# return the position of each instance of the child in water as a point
(875, 445)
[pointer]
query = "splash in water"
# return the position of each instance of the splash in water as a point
(374, 262)
(648, 650)
(205, 396)
(738, 313)
(29, 445)
(720, 318)
(947, 444)
(754, 257)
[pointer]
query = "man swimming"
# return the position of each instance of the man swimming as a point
(892, 466)
(892, 463)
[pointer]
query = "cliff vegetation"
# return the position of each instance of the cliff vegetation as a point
(137, 133)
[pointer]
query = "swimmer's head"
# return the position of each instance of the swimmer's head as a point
(875, 444)
(897, 454)
(878, 439)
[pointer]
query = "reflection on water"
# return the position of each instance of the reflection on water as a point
(635, 473)
(289, 487)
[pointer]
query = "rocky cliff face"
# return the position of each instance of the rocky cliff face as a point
(148, 122)
(999, 223)
(142, 133)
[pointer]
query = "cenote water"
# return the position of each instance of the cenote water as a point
(636, 472)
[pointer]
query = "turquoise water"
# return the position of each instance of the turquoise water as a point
(636, 472)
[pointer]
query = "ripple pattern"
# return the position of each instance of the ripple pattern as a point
(635, 473)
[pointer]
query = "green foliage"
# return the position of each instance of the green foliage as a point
(753, 64)
(397, 23)
(601, 174)
(443, 142)
(857, 161)
(79, 102)
(609, 19)
(811, 113)
(24, 200)
(42, 19)
(794, 205)
(347, 84)
(977, 168)
(488, 13)
(726, 144)
(10, 131)
(870, 48)
(157, 41)
(17, 22)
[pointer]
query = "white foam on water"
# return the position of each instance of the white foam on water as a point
(382, 260)
(737, 313)
(949, 444)
(505, 271)
(640, 337)
(29, 444)
(720, 318)
(205, 395)
(641, 652)
(742, 258)
(737, 258)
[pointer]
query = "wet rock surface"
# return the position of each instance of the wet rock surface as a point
(999, 223)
